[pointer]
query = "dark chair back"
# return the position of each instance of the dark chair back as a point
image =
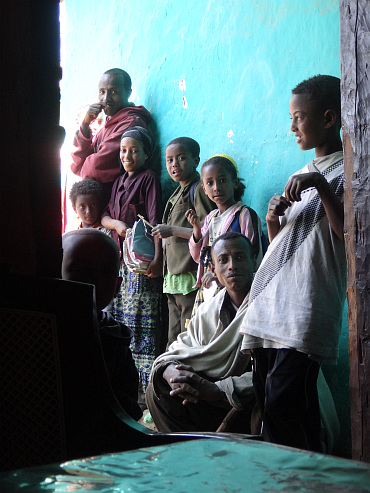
(56, 400)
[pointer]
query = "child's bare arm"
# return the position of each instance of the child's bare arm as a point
(115, 224)
(333, 206)
(193, 219)
(277, 207)
(166, 230)
(155, 267)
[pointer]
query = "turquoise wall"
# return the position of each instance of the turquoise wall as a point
(215, 70)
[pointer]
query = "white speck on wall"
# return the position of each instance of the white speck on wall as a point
(229, 134)
(182, 85)
(184, 102)
(182, 36)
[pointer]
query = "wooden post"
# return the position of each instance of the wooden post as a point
(355, 80)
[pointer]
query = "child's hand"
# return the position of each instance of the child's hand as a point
(154, 269)
(192, 217)
(277, 207)
(121, 228)
(207, 279)
(162, 231)
(298, 183)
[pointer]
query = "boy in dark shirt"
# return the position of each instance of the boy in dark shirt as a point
(92, 257)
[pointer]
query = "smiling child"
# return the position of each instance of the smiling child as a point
(137, 191)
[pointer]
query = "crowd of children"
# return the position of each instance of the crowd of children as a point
(291, 325)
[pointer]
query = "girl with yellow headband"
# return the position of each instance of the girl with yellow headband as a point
(223, 186)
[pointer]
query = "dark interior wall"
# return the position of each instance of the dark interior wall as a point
(30, 164)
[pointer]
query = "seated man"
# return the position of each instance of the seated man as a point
(92, 257)
(204, 374)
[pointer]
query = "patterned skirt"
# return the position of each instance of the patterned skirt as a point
(138, 305)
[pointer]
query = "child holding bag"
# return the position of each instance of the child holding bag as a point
(135, 192)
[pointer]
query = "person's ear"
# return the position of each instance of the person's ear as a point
(118, 285)
(196, 161)
(212, 268)
(330, 118)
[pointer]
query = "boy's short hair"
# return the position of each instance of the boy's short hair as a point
(92, 257)
(191, 144)
(324, 90)
(124, 76)
(84, 187)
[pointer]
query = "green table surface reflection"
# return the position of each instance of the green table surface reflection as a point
(197, 466)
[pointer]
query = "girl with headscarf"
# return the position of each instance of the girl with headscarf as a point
(221, 183)
(137, 191)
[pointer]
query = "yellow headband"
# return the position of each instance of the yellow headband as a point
(229, 158)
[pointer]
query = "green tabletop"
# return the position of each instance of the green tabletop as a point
(197, 466)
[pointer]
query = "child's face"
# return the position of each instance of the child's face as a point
(219, 186)
(132, 154)
(308, 123)
(88, 209)
(180, 163)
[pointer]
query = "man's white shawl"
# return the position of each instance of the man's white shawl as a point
(206, 345)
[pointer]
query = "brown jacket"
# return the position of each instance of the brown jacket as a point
(177, 258)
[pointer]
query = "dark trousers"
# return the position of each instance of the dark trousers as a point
(285, 383)
(180, 307)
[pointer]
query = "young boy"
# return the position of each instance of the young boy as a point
(182, 159)
(87, 202)
(294, 317)
(92, 257)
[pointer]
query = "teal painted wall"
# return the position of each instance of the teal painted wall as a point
(218, 71)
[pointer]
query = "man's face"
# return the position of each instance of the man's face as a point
(112, 94)
(234, 265)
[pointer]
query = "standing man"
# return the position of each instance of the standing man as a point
(99, 157)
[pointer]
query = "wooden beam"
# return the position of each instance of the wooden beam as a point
(355, 80)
